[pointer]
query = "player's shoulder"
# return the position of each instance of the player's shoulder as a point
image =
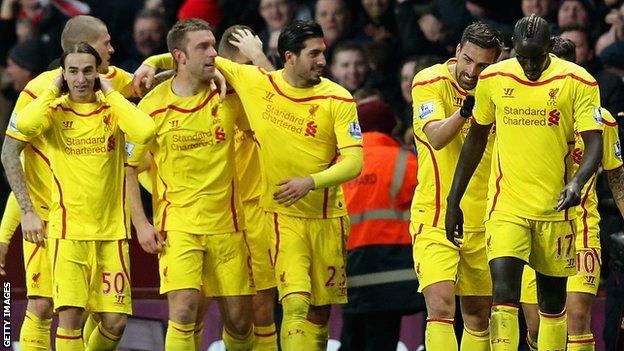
(41, 82)
(431, 74)
(158, 93)
(330, 88)
(607, 118)
(508, 66)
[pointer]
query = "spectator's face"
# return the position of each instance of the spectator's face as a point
(104, 48)
(471, 61)
(407, 75)
(375, 8)
(309, 65)
(19, 76)
(349, 68)
(572, 12)
(583, 52)
(80, 73)
(538, 7)
(333, 16)
(148, 35)
(199, 58)
(276, 13)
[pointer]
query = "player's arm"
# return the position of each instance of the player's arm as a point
(8, 225)
(615, 177)
(136, 124)
(571, 193)
(150, 239)
(471, 154)
(251, 46)
(612, 159)
(439, 133)
(34, 118)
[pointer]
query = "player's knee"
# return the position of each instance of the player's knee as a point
(440, 305)
(114, 323)
(476, 319)
(183, 306)
(42, 307)
(263, 310)
(70, 317)
(319, 314)
(579, 319)
(296, 306)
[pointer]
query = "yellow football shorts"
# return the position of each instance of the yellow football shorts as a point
(310, 257)
(38, 269)
(547, 246)
(261, 246)
(528, 292)
(217, 264)
(436, 259)
(94, 275)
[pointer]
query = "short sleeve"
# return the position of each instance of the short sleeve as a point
(484, 111)
(427, 103)
(612, 151)
(346, 124)
(236, 74)
(586, 106)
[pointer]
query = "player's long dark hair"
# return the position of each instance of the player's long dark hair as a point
(293, 36)
(81, 48)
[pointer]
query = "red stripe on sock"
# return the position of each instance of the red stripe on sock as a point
(441, 320)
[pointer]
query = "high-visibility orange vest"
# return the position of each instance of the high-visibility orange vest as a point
(379, 199)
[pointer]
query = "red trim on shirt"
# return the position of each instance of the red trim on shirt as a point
(16, 138)
(585, 212)
(56, 244)
(184, 110)
(67, 109)
(121, 259)
(164, 213)
(430, 81)
(608, 123)
(500, 176)
(33, 255)
(277, 237)
(123, 205)
(533, 84)
(437, 180)
(565, 181)
(112, 73)
(30, 93)
(233, 207)
(309, 98)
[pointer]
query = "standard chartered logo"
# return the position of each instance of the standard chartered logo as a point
(531, 117)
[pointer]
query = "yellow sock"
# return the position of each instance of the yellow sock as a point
(198, 334)
(35, 333)
(440, 335)
(584, 342)
(235, 342)
(293, 334)
(180, 337)
(553, 331)
(475, 340)
(317, 335)
(504, 330)
(531, 343)
(68, 340)
(88, 328)
(266, 338)
(102, 340)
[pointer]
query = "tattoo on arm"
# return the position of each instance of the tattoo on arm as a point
(11, 150)
(616, 183)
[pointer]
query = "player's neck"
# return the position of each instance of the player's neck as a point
(452, 70)
(293, 79)
(185, 84)
(82, 99)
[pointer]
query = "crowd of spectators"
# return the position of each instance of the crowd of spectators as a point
(374, 47)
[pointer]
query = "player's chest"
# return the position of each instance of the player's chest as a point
(280, 116)
(208, 126)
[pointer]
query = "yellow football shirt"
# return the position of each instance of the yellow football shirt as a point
(86, 153)
(437, 96)
(588, 235)
(247, 164)
(535, 124)
(196, 190)
(36, 170)
(300, 132)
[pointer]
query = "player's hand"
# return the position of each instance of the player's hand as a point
(58, 80)
(466, 109)
(105, 84)
(454, 225)
(150, 239)
(143, 79)
(33, 228)
(293, 189)
(247, 43)
(220, 84)
(569, 196)
(4, 248)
